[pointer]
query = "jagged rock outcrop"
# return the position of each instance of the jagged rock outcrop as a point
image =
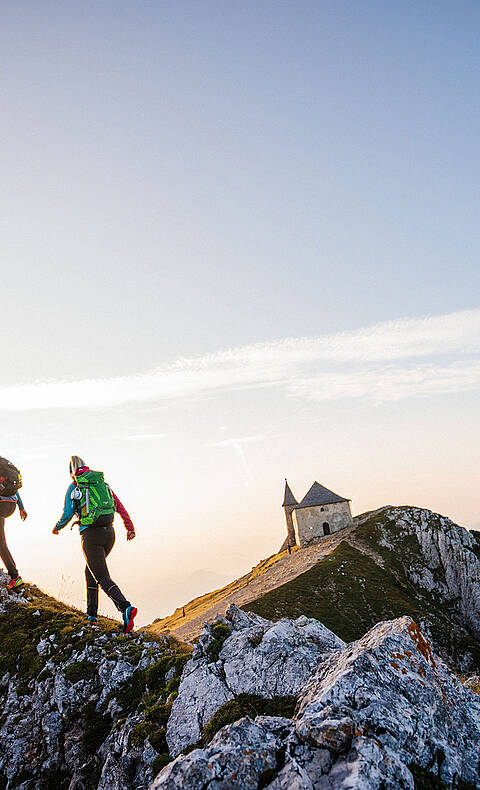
(372, 715)
(448, 563)
(81, 708)
(244, 654)
(398, 560)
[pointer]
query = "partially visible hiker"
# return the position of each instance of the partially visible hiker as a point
(10, 482)
(94, 503)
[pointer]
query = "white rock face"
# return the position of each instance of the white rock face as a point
(259, 657)
(449, 567)
(366, 714)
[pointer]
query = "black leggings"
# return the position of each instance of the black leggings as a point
(97, 543)
(6, 510)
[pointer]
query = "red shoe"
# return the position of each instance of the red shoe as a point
(13, 583)
(128, 617)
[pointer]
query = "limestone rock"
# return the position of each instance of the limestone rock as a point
(257, 657)
(332, 734)
(368, 711)
(240, 757)
(62, 724)
(448, 564)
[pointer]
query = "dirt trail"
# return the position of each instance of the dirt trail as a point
(267, 575)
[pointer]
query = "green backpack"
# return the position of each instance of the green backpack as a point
(95, 497)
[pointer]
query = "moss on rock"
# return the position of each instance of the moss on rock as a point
(250, 705)
(80, 670)
(220, 632)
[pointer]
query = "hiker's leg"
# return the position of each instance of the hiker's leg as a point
(7, 558)
(92, 593)
(95, 542)
(110, 539)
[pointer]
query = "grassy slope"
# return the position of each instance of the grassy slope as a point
(37, 615)
(25, 623)
(32, 616)
(346, 591)
(266, 575)
(203, 603)
(349, 591)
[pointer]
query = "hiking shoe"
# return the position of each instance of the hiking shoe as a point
(14, 583)
(91, 620)
(128, 617)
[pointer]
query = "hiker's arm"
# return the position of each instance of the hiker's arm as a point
(124, 515)
(68, 510)
(23, 512)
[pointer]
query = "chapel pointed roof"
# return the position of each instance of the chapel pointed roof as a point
(319, 495)
(288, 498)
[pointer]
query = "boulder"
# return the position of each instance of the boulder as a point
(257, 657)
(369, 715)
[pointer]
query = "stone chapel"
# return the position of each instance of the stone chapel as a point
(321, 512)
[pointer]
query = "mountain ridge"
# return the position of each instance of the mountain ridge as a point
(414, 561)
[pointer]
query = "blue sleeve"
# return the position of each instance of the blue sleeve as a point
(68, 509)
(19, 500)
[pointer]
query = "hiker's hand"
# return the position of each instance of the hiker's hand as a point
(130, 534)
(23, 514)
(55, 531)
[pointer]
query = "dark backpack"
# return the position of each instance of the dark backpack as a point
(13, 478)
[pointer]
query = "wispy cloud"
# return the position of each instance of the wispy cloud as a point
(237, 446)
(387, 361)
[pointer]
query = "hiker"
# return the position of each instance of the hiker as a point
(10, 482)
(94, 503)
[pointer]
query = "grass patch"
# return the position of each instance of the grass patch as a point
(155, 674)
(347, 591)
(96, 726)
(129, 694)
(158, 740)
(146, 689)
(220, 632)
(155, 734)
(160, 762)
(425, 780)
(80, 670)
(141, 732)
(246, 705)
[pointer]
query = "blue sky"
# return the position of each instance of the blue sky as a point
(239, 241)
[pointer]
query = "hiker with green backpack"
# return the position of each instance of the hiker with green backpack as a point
(94, 503)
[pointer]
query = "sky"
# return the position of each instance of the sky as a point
(239, 242)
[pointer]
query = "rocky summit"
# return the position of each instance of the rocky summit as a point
(360, 672)
(390, 562)
(382, 712)
(244, 654)
(396, 561)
